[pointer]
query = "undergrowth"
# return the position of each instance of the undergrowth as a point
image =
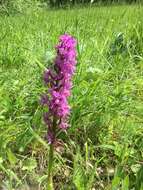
(103, 147)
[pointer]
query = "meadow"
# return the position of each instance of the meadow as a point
(103, 148)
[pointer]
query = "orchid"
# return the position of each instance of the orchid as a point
(59, 81)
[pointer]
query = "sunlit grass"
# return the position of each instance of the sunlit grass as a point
(107, 102)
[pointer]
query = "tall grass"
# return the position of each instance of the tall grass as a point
(104, 149)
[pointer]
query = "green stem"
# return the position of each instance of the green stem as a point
(51, 159)
(50, 164)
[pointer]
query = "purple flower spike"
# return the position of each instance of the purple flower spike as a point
(59, 81)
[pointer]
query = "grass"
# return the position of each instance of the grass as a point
(103, 148)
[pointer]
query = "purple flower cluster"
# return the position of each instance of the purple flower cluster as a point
(59, 80)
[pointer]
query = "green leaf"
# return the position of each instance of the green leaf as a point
(11, 157)
(1, 160)
(79, 173)
(29, 164)
(115, 183)
(79, 179)
(139, 179)
(125, 183)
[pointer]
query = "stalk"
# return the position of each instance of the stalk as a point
(50, 165)
(51, 159)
